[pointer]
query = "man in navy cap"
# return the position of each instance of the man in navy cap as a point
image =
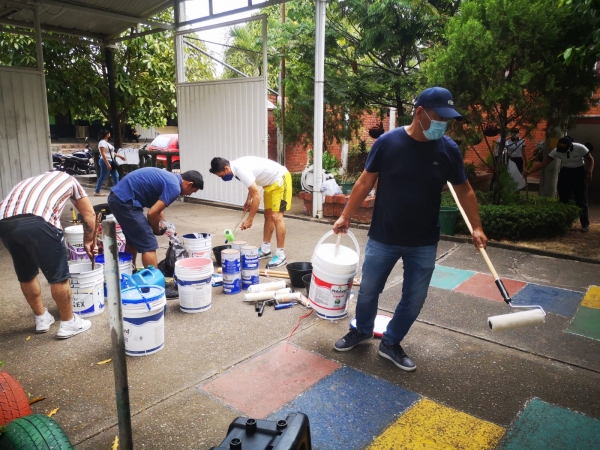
(411, 164)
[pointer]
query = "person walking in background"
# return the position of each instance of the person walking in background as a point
(515, 148)
(154, 189)
(574, 176)
(107, 162)
(276, 182)
(411, 165)
(31, 232)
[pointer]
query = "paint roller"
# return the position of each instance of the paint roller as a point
(501, 322)
(230, 235)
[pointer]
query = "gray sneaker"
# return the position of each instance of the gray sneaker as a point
(396, 354)
(351, 340)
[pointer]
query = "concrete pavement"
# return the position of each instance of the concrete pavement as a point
(227, 362)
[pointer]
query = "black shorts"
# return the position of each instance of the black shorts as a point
(34, 244)
(138, 232)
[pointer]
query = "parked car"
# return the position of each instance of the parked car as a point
(166, 143)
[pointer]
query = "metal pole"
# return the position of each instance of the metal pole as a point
(115, 317)
(40, 61)
(282, 90)
(112, 95)
(265, 64)
(392, 119)
(318, 119)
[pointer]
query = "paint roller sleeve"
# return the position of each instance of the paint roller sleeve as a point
(516, 320)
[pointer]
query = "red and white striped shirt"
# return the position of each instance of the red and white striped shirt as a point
(44, 196)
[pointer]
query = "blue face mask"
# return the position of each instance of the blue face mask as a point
(436, 130)
(227, 177)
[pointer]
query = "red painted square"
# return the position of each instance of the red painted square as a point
(265, 383)
(482, 285)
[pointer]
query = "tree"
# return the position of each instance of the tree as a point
(590, 11)
(77, 79)
(506, 72)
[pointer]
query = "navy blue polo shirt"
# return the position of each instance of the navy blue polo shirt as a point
(144, 187)
(411, 177)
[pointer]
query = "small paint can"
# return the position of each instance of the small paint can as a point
(250, 277)
(249, 257)
(230, 261)
(238, 244)
(232, 283)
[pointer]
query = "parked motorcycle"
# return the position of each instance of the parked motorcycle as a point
(131, 133)
(78, 163)
(57, 160)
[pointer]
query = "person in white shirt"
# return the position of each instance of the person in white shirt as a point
(515, 146)
(276, 182)
(106, 162)
(575, 174)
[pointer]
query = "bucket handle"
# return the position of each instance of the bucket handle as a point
(326, 235)
(93, 287)
(130, 282)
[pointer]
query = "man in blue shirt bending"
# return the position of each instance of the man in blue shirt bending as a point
(411, 164)
(154, 189)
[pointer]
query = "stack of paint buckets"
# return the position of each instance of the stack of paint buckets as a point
(120, 235)
(249, 259)
(230, 262)
(125, 266)
(198, 245)
(194, 283)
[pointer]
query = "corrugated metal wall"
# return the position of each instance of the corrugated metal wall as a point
(24, 129)
(226, 118)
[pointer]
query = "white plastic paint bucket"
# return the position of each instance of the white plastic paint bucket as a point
(74, 242)
(198, 245)
(143, 319)
(194, 282)
(87, 287)
(120, 239)
(232, 283)
(332, 278)
(125, 266)
(250, 277)
(249, 257)
(230, 261)
(237, 245)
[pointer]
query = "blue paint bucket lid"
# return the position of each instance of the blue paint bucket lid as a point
(123, 258)
(132, 295)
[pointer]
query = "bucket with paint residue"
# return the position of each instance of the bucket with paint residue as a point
(125, 266)
(194, 283)
(120, 238)
(74, 242)
(87, 287)
(143, 319)
(332, 278)
(198, 245)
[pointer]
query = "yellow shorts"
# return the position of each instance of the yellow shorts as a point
(278, 196)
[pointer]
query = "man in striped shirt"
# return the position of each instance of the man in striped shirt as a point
(30, 230)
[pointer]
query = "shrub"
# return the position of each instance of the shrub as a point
(296, 183)
(541, 217)
(329, 161)
(357, 157)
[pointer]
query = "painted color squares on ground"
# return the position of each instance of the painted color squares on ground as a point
(349, 408)
(558, 301)
(429, 425)
(543, 426)
(267, 382)
(592, 298)
(449, 277)
(483, 285)
(586, 323)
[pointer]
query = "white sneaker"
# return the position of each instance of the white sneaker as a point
(67, 330)
(43, 322)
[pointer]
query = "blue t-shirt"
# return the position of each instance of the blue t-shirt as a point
(148, 185)
(411, 177)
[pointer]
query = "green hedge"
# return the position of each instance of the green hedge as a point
(540, 217)
(296, 183)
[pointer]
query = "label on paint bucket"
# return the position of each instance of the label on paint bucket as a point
(144, 336)
(232, 283)
(230, 261)
(330, 297)
(195, 296)
(250, 277)
(88, 301)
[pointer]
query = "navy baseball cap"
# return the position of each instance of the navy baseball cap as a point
(440, 100)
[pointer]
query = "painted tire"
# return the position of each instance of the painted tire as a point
(35, 432)
(13, 400)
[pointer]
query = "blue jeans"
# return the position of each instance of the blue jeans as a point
(114, 173)
(380, 259)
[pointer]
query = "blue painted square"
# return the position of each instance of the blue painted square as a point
(558, 301)
(449, 277)
(543, 426)
(348, 409)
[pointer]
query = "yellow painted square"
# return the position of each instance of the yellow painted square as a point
(429, 425)
(592, 298)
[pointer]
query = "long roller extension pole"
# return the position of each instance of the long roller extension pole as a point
(504, 321)
(113, 290)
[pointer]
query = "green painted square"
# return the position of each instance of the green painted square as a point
(543, 426)
(586, 323)
(449, 277)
